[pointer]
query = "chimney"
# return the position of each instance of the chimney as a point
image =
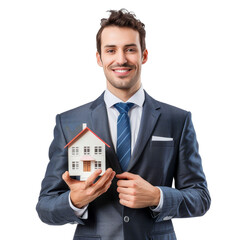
(84, 125)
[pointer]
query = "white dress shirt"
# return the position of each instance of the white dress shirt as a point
(135, 114)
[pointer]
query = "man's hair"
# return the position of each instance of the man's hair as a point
(122, 18)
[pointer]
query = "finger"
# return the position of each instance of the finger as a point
(126, 175)
(113, 175)
(125, 203)
(68, 180)
(124, 190)
(126, 183)
(90, 180)
(107, 176)
(104, 188)
(125, 197)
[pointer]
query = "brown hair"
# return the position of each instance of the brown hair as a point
(122, 18)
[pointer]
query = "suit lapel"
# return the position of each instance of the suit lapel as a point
(150, 115)
(100, 126)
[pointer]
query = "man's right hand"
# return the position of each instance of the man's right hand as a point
(84, 192)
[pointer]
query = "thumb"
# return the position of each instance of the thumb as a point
(68, 180)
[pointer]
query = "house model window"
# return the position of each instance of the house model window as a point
(86, 153)
(75, 165)
(75, 151)
(98, 150)
(86, 150)
(98, 165)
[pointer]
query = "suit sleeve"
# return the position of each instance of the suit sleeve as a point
(53, 204)
(190, 197)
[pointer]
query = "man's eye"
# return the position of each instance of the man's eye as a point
(110, 51)
(130, 50)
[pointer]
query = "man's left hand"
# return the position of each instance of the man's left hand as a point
(135, 192)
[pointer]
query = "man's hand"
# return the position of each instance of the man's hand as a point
(84, 192)
(135, 192)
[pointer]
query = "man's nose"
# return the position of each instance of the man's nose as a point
(121, 58)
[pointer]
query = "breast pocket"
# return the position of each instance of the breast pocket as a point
(161, 156)
(163, 143)
(162, 150)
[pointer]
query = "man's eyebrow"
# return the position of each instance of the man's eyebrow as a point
(106, 46)
(127, 45)
(131, 45)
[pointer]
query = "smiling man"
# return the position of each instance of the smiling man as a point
(151, 142)
(121, 57)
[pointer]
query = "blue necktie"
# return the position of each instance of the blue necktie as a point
(123, 134)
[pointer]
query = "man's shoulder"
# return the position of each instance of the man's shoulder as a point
(77, 110)
(172, 115)
(83, 109)
(168, 108)
(173, 109)
(71, 121)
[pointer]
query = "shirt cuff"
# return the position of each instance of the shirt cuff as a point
(79, 212)
(160, 204)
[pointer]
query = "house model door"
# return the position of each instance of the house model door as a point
(87, 166)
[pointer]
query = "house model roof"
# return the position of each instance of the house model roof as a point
(82, 133)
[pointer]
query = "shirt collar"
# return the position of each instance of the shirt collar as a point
(138, 98)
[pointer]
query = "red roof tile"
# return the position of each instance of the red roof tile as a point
(81, 133)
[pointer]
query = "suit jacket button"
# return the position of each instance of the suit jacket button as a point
(126, 219)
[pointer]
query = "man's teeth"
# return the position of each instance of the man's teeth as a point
(121, 71)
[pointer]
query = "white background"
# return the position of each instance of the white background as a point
(47, 66)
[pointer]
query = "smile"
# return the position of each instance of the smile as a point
(122, 71)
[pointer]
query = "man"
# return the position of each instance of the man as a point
(134, 198)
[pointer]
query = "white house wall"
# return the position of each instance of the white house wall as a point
(87, 139)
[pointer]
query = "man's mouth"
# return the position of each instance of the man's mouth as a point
(121, 71)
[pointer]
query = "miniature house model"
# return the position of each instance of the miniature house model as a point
(86, 153)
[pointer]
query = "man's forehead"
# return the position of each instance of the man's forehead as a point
(119, 36)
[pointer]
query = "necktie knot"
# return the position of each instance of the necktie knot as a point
(123, 107)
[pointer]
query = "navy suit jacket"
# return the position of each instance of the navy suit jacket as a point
(158, 162)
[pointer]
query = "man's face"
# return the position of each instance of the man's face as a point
(121, 57)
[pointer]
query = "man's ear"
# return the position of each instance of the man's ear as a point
(99, 60)
(145, 56)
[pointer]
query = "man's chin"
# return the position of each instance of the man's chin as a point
(122, 85)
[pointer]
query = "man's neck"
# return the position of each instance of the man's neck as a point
(123, 94)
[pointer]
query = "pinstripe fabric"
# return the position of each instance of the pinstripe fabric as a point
(123, 134)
